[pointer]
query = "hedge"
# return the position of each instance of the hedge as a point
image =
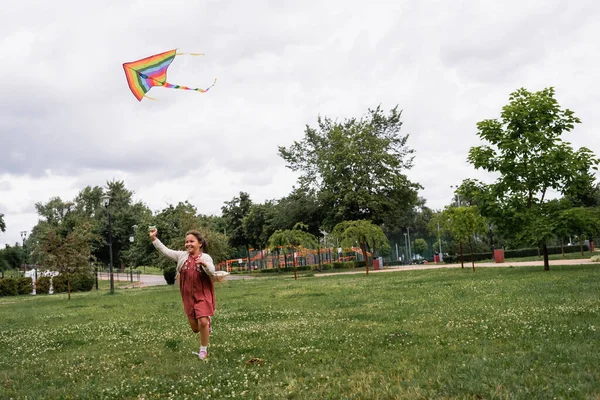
(9, 286)
(170, 274)
(80, 282)
(42, 285)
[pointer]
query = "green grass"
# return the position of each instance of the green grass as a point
(494, 333)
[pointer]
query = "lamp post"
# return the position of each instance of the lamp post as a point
(105, 202)
(440, 242)
(132, 240)
(406, 248)
(409, 251)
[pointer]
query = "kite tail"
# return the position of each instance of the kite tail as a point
(191, 54)
(171, 86)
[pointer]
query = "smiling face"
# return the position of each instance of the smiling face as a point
(192, 245)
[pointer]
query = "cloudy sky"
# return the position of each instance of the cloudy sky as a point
(68, 119)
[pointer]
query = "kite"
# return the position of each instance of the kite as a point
(151, 71)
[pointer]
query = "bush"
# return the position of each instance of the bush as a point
(80, 282)
(42, 285)
(170, 274)
(25, 285)
(9, 287)
(83, 282)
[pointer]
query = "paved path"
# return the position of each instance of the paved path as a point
(153, 280)
(467, 265)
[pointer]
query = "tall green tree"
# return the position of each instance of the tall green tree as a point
(290, 239)
(525, 148)
(368, 236)
(2, 223)
(234, 212)
(358, 168)
(465, 224)
(67, 254)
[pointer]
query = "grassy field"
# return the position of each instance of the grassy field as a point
(491, 334)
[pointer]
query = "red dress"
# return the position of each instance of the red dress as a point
(197, 290)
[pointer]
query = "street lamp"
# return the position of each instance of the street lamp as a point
(24, 236)
(105, 202)
(409, 251)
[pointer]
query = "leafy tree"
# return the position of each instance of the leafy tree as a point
(464, 224)
(291, 239)
(526, 150)
(258, 224)
(68, 254)
(2, 223)
(420, 246)
(233, 213)
(357, 167)
(367, 235)
(300, 206)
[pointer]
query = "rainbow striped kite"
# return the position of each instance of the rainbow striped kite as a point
(151, 71)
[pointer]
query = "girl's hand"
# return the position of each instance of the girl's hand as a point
(153, 231)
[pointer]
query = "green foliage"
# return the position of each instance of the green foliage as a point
(420, 246)
(234, 212)
(42, 285)
(25, 285)
(170, 273)
(357, 166)
(368, 236)
(526, 150)
(2, 223)
(81, 281)
(12, 257)
(9, 286)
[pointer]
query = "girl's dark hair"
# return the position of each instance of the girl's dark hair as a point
(200, 238)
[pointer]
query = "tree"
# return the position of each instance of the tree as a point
(2, 223)
(293, 238)
(526, 150)
(357, 167)
(420, 246)
(367, 235)
(68, 254)
(464, 224)
(233, 213)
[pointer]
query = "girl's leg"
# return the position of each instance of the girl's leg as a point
(203, 324)
(194, 324)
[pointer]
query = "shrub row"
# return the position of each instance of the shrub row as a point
(15, 286)
(530, 252)
(82, 282)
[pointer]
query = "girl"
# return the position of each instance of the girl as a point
(196, 271)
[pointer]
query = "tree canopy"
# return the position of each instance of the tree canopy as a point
(357, 167)
(525, 148)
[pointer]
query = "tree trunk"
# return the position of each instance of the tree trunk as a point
(546, 263)
(294, 263)
(69, 286)
(462, 264)
(562, 248)
(581, 246)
